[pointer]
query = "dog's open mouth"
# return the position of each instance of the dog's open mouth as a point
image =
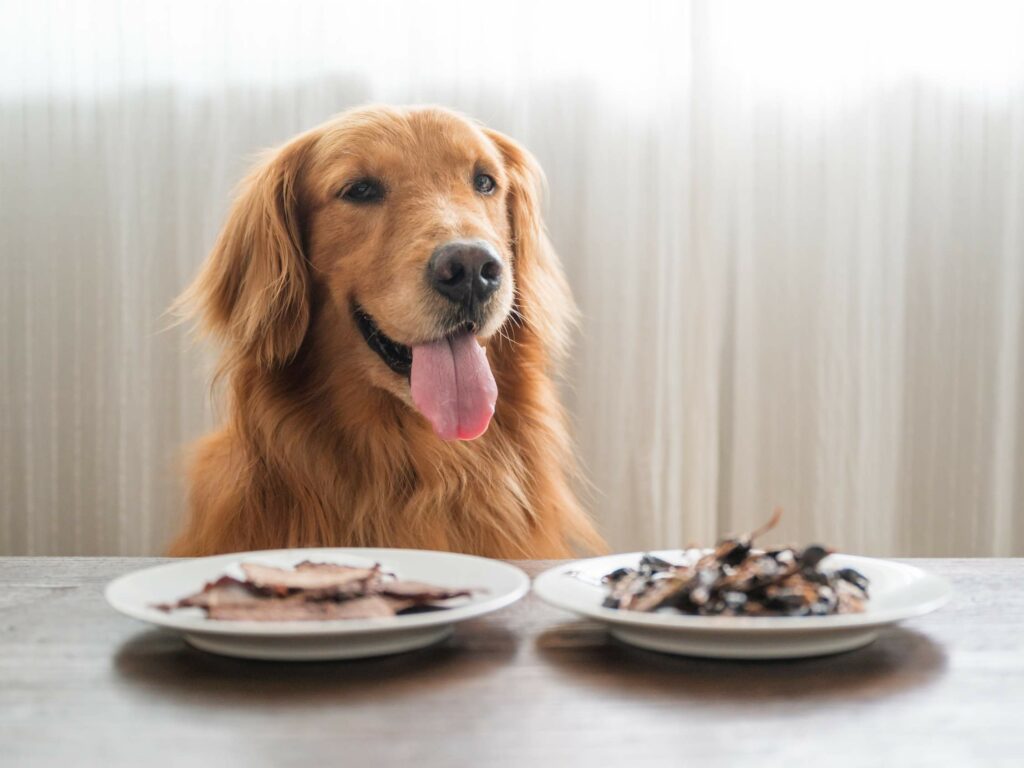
(450, 379)
(397, 357)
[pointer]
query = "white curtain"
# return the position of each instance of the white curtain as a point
(794, 230)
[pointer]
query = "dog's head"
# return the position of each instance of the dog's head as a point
(416, 229)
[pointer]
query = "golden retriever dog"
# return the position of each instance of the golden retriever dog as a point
(390, 312)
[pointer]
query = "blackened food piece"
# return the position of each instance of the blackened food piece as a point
(813, 555)
(816, 577)
(734, 601)
(789, 603)
(617, 574)
(734, 579)
(855, 577)
(735, 553)
(654, 563)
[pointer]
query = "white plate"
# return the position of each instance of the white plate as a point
(497, 585)
(898, 592)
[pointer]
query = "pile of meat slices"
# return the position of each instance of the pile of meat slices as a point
(734, 579)
(314, 592)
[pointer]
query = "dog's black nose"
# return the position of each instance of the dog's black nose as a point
(465, 271)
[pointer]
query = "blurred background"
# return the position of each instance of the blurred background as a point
(794, 230)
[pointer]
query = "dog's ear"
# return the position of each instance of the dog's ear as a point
(253, 290)
(543, 298)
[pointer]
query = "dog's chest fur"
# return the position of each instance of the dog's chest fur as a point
(309, 473)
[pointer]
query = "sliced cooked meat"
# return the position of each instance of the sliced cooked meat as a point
(297, 608)
(333, 578)
(313, 592)
(224, 591)
(419, 592)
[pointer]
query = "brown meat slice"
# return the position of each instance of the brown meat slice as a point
(224, 591)
(326, 578)
(419, 592)
(309, 565)
(312, 592)
(298, 608)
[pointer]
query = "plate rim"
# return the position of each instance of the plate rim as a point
(336, 627)
(743, 624)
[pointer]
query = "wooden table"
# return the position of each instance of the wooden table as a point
(528, 686)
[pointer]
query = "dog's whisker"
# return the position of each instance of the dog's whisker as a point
(516, 315)
(508, 337)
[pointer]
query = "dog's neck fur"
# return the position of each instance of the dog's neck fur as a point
(303, 464)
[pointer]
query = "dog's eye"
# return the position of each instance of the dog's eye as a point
(484, 184)
(363, 191)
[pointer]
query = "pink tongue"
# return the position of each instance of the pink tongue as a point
(453, 387)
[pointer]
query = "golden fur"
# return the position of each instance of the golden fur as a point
(321, 446)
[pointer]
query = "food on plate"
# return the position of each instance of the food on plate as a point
(314, 592)
(734, 579)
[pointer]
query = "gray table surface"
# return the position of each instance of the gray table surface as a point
(529, 685)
